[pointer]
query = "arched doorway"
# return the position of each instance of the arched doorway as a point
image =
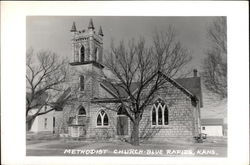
(122, 122)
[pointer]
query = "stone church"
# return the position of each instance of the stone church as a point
(175, 113)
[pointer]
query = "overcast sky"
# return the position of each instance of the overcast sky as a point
(53, 32)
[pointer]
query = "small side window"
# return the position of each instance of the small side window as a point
(81, 83)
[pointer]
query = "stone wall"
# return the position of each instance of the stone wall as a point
(101, 132)
(181, 116)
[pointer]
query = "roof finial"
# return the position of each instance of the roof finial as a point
(91, 25)
(73, 29)
(100, 31)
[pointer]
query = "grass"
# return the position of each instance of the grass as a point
(66, 145)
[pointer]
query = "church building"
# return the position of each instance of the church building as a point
(175, 113)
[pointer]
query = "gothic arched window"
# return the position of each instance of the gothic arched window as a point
(81, 83)
(121, 111)
(96, 54)
(81, 117)
(122, 121)
(82, 55)
(159, 113)
(102, 119)
(82, 111)
(165, 115)
(153, 116)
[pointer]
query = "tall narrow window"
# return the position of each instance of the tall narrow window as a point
(96, 54)
(159, 113)
(81, 116)
(99, 120)
(45, 123)
(81, 83)
(153, 116)
(82, 56)
(105, 120)
(165, 116)
(54, 124)
(102, 119)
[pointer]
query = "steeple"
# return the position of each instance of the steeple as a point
(87, 46)
(73, 29)
(91, 25)
(100, 31)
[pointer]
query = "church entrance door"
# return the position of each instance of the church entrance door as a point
(122, 125)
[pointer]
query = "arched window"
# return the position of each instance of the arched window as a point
(102, 119)
(165, 115)
(82, 111)
(82, 51)
(96, 54)
(122, 121)
(153, 116)
(159, 113)
(121, 111)
(81, 83)
(81, 117)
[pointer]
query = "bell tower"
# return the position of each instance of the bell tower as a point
(87, 57)
(87, 45)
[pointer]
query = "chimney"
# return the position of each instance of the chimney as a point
(195, 72)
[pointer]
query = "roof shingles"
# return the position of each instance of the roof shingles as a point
(191, 84)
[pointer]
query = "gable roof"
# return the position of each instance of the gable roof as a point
(190, 86)
(41, 97)
(122, 92)
(39, 100)
(211, 121)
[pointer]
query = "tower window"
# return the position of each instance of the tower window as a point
(159, 113)
(96, 54)
(82, 51)
(102, 119)
(81, 83)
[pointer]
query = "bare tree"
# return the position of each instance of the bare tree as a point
(215, 64)
(138, 64)
(45, 78)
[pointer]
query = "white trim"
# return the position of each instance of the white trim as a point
(102, 119)
(156, 111)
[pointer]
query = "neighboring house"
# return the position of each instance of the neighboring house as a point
(175, 113)
(212, 127)
(48, 122)
(215, 109)
(45, 123)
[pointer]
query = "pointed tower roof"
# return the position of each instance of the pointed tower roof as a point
(73, 29)
(100, 31)
(91, 25)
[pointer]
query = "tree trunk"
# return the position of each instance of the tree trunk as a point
(135, 139)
